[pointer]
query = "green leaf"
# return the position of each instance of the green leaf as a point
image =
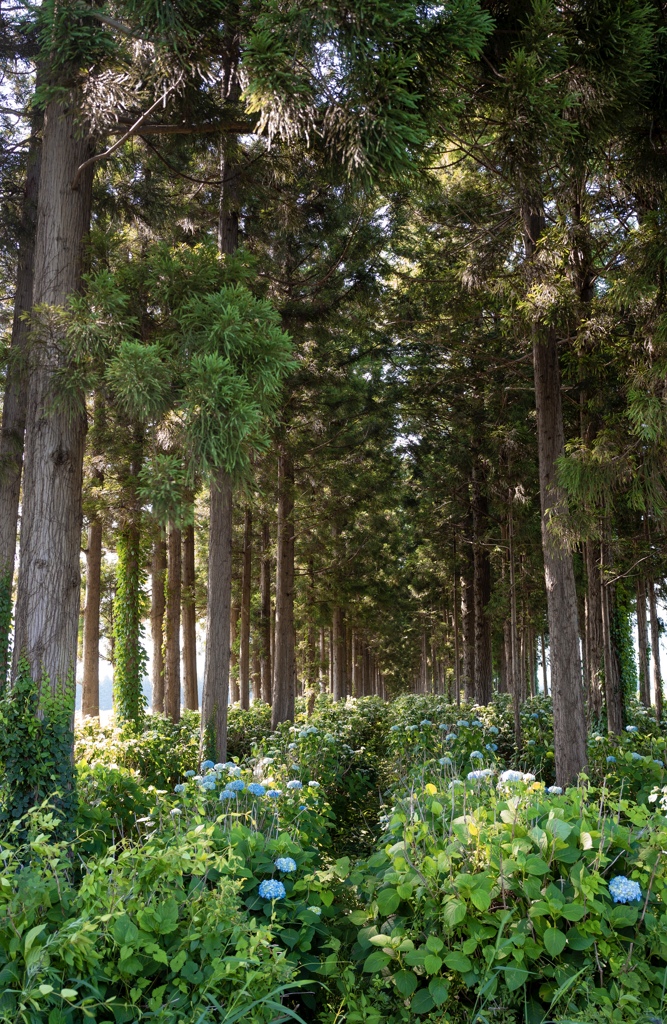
(623, 916)
(576, 940)
(432, 963)
(388, 901)
(454, 912)
(31, 936)
(558, 828)
(404, 890)
(422, 1001)
(434, 943)
(439, 990)
(554, 941)
(406, 983)
(124, 930)
(376, 962)
(480, 899)
(573, 911)
(177, 962)
(536, 866)
(458, 962)
(68, 993)
(539, 909)
(515, 977)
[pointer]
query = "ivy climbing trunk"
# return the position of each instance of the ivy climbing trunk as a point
(566, 683)
(642, 643)
(130, 656)
(655, 649)
(158, 604)
(246, 593)
(47, 611)
(15, 394)
(594, 637)
(216, 671)
(189, 614)
(90, 688)
(284, 663)
(265, 613)
(172, 661)
(338, 654)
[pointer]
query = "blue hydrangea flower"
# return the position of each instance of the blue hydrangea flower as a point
(274, 793)
(443, 727)
(455, 782)
(291, 746)
(554, 790)
(236, 785)
(180, 788)
(611, 759)
(219, 766)
(534, 715)
(271, 889)
(426, 721)
(451, 737)
(207, 764)
(491, 747)
(294, 784)
(445, 761)
(635, 756)
(622, 890)
(476, 722)
(207, 784)
(476, 755)
(530, 743)
(411, 728)
(462, 723)
(314, 784)
(227, 794)
(190, 773)
(631, 728)
(480, 773)
(285, 864)
(493, 730)
(302, 807)
(656, 760)
(256, 789)
(233, 769)
(395, 728)
(315, 910)
(511, 776)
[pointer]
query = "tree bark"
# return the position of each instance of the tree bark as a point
(48, 603)
(594, 636)
(16, 393)
(283, 672)
(642, 637)
(612, 678)
(265, 614)
(468, 621)
(172, 667)
(246, 591)
(234, 690)
(158, 574)
(483, 676)
(90, 695)
(655, 650)
(189, 613)
(338, 654)
(513, 669)
(216, 672)
(568, 703)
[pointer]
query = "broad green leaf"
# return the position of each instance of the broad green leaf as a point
(422, 1001)
(458, 962)
(376, 961)
(406, 983)
(388, 901)
(404, 890)
(554, 941)
(454, 912)
(536, 866)
(539, 909)
(432, 963)
(558, 828)
(177, 962)
(623, 916)
(124, 931)
(439, 990)
(576, 940)
(434, 943)
(480, 899)
(515, 977)
(31, 936)
(573, 911)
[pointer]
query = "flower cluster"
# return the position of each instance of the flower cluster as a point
(623, 890)
(480, 773)
(271, 889)
(285, 864)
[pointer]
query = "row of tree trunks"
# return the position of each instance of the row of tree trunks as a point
(283, 689)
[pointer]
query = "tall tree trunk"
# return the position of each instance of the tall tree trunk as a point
(594, 636)
(16, 393)
(323, 660)
(265, 614)
(655, 650)
(483, 688)
(338, 654)
(90, 695)
(568, 703)
(172, 666)
(468, 618)
(514, 673)
(543, 650)
(283, 671)
(234, 689)
(457, 655)
(189, 612)
(612, 678)
(642, 638)
(47, 611)
(158, 604)
(216, 672)
(246, 592)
